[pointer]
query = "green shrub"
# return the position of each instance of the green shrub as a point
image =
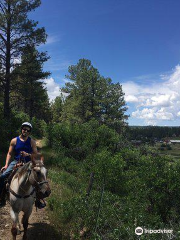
(78, 141)
(163, 145)
(169, 147)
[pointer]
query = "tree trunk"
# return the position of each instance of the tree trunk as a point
(6, 97)
(8, 66)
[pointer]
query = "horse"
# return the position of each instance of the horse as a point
(29, 182)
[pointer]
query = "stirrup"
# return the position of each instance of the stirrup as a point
(39, 204)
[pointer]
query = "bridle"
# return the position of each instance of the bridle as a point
(37, 184)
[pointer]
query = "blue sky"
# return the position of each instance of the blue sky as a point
(134, 42)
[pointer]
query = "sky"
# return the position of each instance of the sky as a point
(134, 42)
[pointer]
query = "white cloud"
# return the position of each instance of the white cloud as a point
(158, 101)
(131, 88)
(52, 39)
(17, 60)
(178, 114)
(52, 87)
(161, 100)
(153, 115)
(131, 98)
(151, 122)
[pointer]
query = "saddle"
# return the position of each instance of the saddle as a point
(16, 167)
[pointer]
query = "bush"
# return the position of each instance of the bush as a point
(79, 141)
(163, 145)
(169, 147)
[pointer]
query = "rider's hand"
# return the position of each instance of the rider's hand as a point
(24, 154)
(4, 168)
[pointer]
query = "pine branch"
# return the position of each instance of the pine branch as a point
(4, 40)
(2, 57)
(1, 49)
(2, 9)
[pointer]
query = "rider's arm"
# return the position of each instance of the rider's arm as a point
(9, 154)
(34, 151)
(34, 147)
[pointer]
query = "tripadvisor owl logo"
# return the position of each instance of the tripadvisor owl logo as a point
(138, 231)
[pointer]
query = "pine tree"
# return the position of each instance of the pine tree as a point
(30, 95)
(113, 106)
(91, 96)
(56, 109)
(16, 31)
(82, 102)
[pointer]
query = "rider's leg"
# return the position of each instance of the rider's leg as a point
(3, 176)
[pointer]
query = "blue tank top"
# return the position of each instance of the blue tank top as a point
(22, 146)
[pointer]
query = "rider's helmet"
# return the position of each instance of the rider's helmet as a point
(27, 124)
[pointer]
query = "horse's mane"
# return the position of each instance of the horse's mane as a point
(22, 170)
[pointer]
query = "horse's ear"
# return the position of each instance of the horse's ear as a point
(40, 157)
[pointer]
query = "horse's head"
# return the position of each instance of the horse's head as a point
(38, 178)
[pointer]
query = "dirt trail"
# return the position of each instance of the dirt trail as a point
(39, 228)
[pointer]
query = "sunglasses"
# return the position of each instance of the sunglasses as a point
(26, 130)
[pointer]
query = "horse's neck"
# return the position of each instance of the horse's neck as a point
(22, 185)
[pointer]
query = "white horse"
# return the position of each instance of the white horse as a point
(28, 182)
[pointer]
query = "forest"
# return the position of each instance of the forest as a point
(108, 186)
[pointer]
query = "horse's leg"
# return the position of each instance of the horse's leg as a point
(15, 219)
(19, 227)
(25, 222)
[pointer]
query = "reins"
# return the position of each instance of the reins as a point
(19, 196)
